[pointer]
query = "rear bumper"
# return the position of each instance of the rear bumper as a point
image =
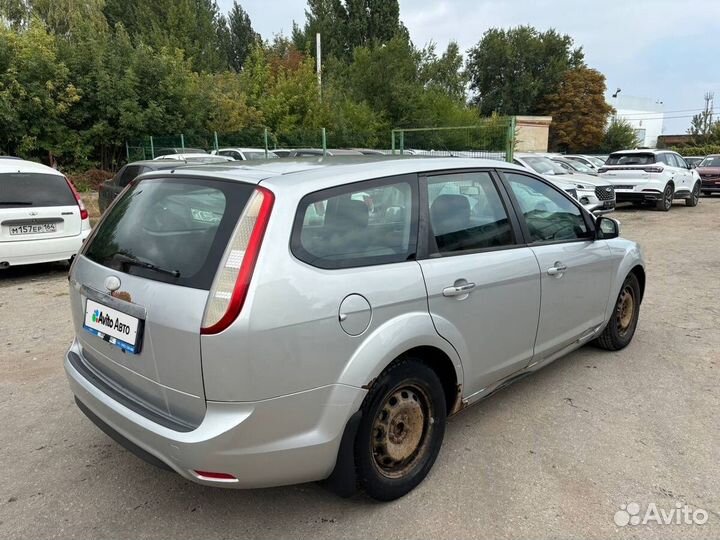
(42, 251)
(285, 440)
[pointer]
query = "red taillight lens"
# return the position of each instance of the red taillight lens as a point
(209, 475)
(83, 211)
(232, 281)
(653, 169)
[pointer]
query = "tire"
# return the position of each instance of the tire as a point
(694, 196)
(401, 431)
(665, 204)
(621, 327)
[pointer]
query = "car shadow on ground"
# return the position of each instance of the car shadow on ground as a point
(30, 272)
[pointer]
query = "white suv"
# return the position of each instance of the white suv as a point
(651, 176)
(42, 218)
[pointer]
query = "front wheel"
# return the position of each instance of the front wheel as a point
(665, 203)
(621, 327)
(401, 430)
(694, 196)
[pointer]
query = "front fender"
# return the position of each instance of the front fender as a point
(390, 340)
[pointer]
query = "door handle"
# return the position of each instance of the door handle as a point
(458, 290)
(557, 269)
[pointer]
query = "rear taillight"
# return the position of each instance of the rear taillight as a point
(232, 281)
(653, 169)
(80, 203)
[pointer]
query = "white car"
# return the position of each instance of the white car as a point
(244, 154)
(596, 195)
(593, 162)
(194, 158)
(42, 218)
(656, 177)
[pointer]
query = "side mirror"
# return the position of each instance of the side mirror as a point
(607, 228)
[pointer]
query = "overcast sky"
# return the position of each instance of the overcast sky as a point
(665, 50)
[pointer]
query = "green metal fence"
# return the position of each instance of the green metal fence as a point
(152, 146)
(491, 138)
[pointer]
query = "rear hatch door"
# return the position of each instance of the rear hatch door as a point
(141, 285)
(37, 206)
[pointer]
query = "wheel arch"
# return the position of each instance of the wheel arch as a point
(412, 335)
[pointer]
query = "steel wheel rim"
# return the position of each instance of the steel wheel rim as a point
(401, 431)
(625, 310)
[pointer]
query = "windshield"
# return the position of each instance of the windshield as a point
(596, 160)
(544, 165)
(710, 161)
(578, 166)
(180, 226)
(33, 189)
(619, 158)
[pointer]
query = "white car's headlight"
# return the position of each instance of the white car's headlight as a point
(581, 186)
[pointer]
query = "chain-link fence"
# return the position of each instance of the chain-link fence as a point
(492, 138)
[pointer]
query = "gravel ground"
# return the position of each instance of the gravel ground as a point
(553, 456)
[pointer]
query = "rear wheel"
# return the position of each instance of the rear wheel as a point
(621, 327)
(665, 203)
(401, 430)
(694, 196)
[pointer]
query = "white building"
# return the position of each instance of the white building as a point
(646, 115)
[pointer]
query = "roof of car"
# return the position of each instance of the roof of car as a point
(325, 171)
(641, 151)
(23, 166)
(240, 149)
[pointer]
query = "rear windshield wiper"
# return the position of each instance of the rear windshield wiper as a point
(22, 203)
(131, 260)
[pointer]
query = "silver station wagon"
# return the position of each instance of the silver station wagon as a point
(304, 320)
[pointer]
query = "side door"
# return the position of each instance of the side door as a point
(483, 284)
(576, 270)
(684, 172)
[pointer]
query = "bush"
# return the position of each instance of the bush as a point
(89, 180)
(697, 150)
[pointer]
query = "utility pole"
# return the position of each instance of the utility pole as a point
(319, 62)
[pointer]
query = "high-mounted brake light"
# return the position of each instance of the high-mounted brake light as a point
(83, 211)
(232, 281)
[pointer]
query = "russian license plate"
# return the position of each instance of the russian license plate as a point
(38, 228)
(113, 326)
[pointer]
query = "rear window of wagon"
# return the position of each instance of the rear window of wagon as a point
(179, 225)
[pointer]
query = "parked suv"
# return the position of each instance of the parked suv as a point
(596, 195)
(709, 171)
(299, 321)
(656, 177)
(42, 218)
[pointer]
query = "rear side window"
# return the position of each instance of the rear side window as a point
(360, 224)
(178, 226)
(22, 190)
(630, 159)
(466, 214)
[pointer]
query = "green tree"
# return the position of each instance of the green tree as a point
(372, 22)
(578, 111)
(36, 92)
(445, 73)
(511, 71)
(194, 26)
(329, 18)
(242, 36)
(619, 135)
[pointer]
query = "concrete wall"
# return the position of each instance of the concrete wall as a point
(532, 133)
